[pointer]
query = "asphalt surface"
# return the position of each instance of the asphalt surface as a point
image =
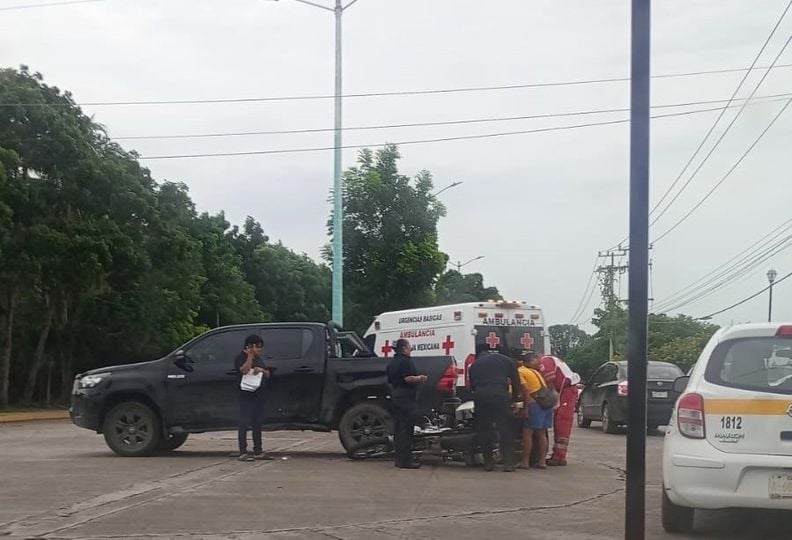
(59, 481)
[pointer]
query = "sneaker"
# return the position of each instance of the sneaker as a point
(246, 457)
(263, 456)
(508, 468)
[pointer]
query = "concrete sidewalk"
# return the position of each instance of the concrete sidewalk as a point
(28, 416)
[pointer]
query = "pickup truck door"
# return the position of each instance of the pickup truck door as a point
(298, 355)
(202, 386)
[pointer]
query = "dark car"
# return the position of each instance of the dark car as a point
(604, 396)
(323, 379)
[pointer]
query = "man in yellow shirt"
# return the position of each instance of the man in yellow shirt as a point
(536, 420)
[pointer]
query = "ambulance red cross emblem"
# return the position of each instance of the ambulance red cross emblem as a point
(447, 345)
(492, 340)
(526, 340)
(386, 348)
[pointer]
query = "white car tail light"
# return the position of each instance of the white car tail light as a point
(621, 389)
(785, 331)
(690, 416)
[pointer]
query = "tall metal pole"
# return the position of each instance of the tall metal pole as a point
(338, 217)
(635, 497)
(770, 306)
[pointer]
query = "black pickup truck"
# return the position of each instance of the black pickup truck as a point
(323, 379)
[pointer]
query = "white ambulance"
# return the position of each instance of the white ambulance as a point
(458, 330)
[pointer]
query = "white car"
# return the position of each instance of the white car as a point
(729, 442)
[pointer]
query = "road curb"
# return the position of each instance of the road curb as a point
(13, 417)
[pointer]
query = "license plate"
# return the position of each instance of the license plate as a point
(780, 486)
(663, 394)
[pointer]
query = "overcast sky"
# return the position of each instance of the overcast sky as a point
(538, 206)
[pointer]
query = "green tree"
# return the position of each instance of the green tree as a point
(289, 286)
(226, 296)
(678, 340)
(391, 252)
(566, 337)
(452, 287)
(588, 357)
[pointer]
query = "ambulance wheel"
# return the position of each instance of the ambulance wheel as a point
(675, 518)
(582, 421)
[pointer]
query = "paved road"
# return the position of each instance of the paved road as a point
(59, 481)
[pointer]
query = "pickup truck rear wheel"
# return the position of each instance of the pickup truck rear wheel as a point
(362, 422)
(132, 429)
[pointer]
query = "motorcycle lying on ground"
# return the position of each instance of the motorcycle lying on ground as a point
(449, 434)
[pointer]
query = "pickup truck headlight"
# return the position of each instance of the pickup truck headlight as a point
(89, 381)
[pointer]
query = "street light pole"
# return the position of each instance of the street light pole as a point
(338, 208)
(338, 221)
(459, 265)
(771, 277)
(449, 186)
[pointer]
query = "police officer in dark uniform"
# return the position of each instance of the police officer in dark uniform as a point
(490, 377)
(403, 380)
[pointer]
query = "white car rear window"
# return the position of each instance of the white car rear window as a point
(758, 364)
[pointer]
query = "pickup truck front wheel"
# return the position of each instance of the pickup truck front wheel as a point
(174, 441)
(132, 429)
(362, 422)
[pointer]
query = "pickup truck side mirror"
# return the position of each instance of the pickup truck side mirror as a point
(181, 360)
(680, 383)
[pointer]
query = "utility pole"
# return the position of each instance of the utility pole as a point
(608, 272)
(638, 309)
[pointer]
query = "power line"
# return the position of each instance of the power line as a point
(740, 270)
(718, 119)
(715, 123)
(725, 176)
(722, 135)
(574, 316)
(727, 266)
(420, 141)
(386, 94)
(769, 99)
(586, 305)
(48, 4)
(746, 299)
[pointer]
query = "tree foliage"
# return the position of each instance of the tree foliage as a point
(453, 287)
(566, 337)
(391, 254)
(101, 264)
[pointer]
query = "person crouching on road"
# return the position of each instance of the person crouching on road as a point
(251, 396)
(490, 377)
(561, 377)
(404, 379)
(537, 420)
